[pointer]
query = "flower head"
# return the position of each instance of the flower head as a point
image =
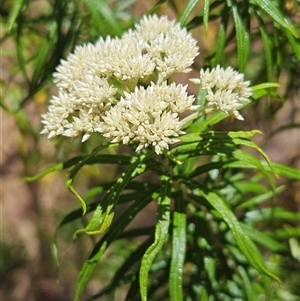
(172, 48)
(225, 88)
(148, 116)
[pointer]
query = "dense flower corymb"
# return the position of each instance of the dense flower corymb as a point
(226, 89)
(148, 116)
(90, 83)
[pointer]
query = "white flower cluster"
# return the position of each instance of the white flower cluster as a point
(149, 116)
(225, 89)
(89, 81)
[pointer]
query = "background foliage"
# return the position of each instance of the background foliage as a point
(257, 37)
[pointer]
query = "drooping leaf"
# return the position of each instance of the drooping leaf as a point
(120, 224)
(242, 240)
(161, 234)
(105, 211)
(78, 166)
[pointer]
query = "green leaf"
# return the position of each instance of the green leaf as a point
(243, 241)
(208, 167)
(76, 194)
(102, 14)
(285, 233)
(105, 159)
(250, 159)
(120, 277)
(178, 249)
(156, 7)
(286, 171)
(46, 171)
(20, 49)
(187, 11)
(263, 239)
(249, 143)
(43, 53)
(279, 169)
(206, 15)
(271, 214)
(264, 86)
(249, 289)
(99, 249)
(294, 43)
(242, 49)
(261, 198)
(221, 40)
(78, 166)
(267, 48)
(276, 15)
(105, 211)
(210, 121)
(161, 233)
(14, 12)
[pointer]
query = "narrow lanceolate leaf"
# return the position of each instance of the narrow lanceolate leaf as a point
(240, 37)
(268, 51)
(206, 15)
(161, 234)
(289, 172)
(250, 159)
(294, 43)
(105, 211)
(43, 54)
(276, 15)
(221, 40)
(156, 7)
(263, 239)
(126, 273)
(187, 11)
(178, 250)
(78, 166)
(99, 249)
(103, 15)
(249, 290)
(15, 10)
(95, 159)
(264, 86)
(243, 241)
(252, 144)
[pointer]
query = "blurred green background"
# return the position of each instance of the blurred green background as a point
(35, 35)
